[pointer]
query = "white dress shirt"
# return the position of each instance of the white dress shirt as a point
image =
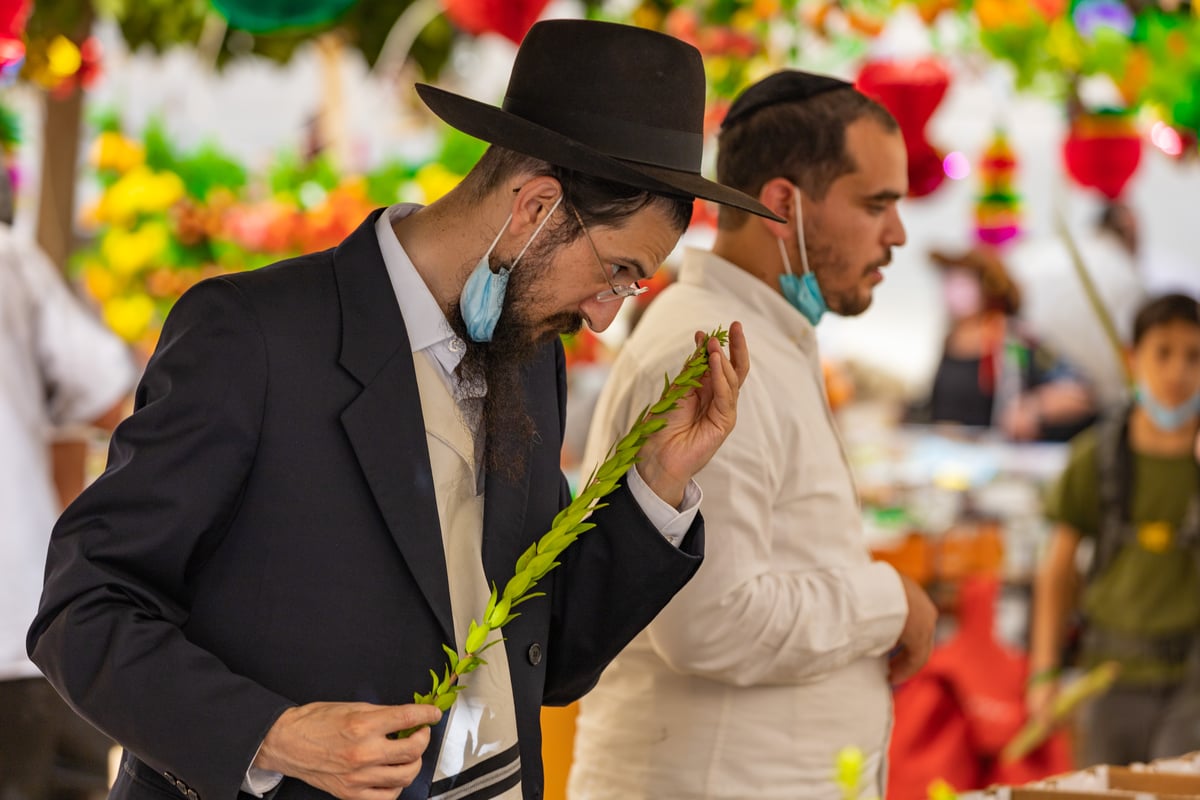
(772, 659)
(58, 366)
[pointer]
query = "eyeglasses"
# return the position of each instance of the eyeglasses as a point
(616, 292)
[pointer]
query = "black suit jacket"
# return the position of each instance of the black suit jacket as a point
(266, 534)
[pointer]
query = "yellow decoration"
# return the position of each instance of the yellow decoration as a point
(996, 14)
(129, 317)
(99, 282)
(940, 790)
(112, 151)
(850, 763)
(435, 181)
(1064, 44)
(139, 191)
(745, 20)
(129, 252)
(63, 58)
(1156, 536)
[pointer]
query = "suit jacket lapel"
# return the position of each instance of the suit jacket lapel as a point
(384, 423)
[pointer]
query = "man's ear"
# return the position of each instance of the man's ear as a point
(778, 195)
(532, 201)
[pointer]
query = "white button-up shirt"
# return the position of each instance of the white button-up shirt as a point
(772, 659)
(58, 366)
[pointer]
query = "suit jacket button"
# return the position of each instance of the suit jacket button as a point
(181, 786)
(535, 654)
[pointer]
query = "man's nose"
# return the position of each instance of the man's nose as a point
(600, 314)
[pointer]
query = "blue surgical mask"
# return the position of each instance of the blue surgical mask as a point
(1168, 418)
(801, 291)
(482, 298)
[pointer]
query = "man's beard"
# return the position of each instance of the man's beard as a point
(499, 365)
(849, 302)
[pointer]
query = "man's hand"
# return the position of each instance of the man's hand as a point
(916, 640)
(343, 749)
(704, 418)
(1039, 700)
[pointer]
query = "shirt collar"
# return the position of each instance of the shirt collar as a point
(705, 268)
(423, 317)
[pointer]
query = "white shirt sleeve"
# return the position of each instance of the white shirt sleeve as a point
(86, 369)
(764, 623)
(259, 781)
(673, 523)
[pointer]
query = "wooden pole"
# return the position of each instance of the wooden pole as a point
(61, 128)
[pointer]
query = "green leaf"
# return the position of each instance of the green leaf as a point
(499, 613)
(523, 562)
(542, 564)
(452, 655)
(475, 638)
(491, 603)
(529, 596)
(662, 406)
(519, 584)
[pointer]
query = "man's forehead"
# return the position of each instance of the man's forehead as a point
(879, 158)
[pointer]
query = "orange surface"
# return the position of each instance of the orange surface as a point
(558, 739)
(975, 548)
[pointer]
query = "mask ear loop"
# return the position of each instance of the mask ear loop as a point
(536, 230)
(496, 241)
(799, 231)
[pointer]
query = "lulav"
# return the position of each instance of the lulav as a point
(568, 525)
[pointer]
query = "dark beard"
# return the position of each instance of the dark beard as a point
(499, 365)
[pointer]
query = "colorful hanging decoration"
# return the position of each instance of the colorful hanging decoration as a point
(272, 16)
(998, 207)
(13, 14)
(512, 19)
(61, 66)
(912, 91)
(1102, 151)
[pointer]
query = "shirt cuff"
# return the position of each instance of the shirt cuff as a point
(260, 781)
(673, 523)
(881, 607)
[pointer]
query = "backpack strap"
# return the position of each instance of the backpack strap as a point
(1114, 467)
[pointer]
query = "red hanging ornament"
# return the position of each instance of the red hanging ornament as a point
(1103, 151)
(12, 18)
(509, 18)
(911, 91)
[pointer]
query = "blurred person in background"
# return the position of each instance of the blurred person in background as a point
(1161, 271)
(59, 367)
(1132, 488)
(780, 652)
(992, 373)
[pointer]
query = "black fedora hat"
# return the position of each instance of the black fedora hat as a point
(613, 101)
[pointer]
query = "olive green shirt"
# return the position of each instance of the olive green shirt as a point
(1152, 587)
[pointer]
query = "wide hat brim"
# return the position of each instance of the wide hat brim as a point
(504, 129)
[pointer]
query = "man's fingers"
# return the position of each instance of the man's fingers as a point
(739, 352)
(407, 750)
(387, 719)
(901, 668)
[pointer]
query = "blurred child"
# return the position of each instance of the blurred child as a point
(1132, 486)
